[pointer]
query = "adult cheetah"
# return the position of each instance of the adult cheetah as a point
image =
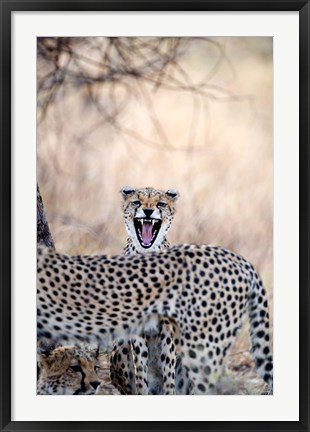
(138, 365)
(205, 289)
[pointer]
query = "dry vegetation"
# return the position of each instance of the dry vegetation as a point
(210, 138)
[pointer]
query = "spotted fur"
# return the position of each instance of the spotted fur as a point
(68, 370)
(205, 290)
(146, 364)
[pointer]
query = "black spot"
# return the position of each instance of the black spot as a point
(192, 354)
(267, 377)
(207, 370)
(214, 320)
(266, 350)
(201, 387)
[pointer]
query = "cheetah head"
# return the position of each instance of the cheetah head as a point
(148, 214)
(69, 370)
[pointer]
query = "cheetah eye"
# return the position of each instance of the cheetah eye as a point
(136, 203)
(96, 368)
(77, 368)
(161, 204)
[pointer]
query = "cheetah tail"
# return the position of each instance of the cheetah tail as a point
(259, 331)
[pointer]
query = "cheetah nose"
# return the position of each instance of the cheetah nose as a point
(95, 384)
(148, 212)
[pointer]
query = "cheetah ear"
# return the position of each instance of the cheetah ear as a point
(45, 349)
(173, 193)
(44, 352)
(127, 191)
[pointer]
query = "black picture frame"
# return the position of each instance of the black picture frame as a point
(9, 6)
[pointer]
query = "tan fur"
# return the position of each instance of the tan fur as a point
(68, 370)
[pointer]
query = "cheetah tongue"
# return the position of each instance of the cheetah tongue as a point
(146, 233)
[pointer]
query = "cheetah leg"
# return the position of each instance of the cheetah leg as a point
(202, 380)
(122, 370)
(182, 382)
(168, 357)
(140, 359)
(203, 373)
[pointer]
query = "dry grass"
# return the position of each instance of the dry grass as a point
(219, 155)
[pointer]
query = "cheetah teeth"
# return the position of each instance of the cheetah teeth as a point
(154, 221)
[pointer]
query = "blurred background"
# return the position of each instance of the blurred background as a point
(194, 114)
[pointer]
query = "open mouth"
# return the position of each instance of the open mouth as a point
(147, 230)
